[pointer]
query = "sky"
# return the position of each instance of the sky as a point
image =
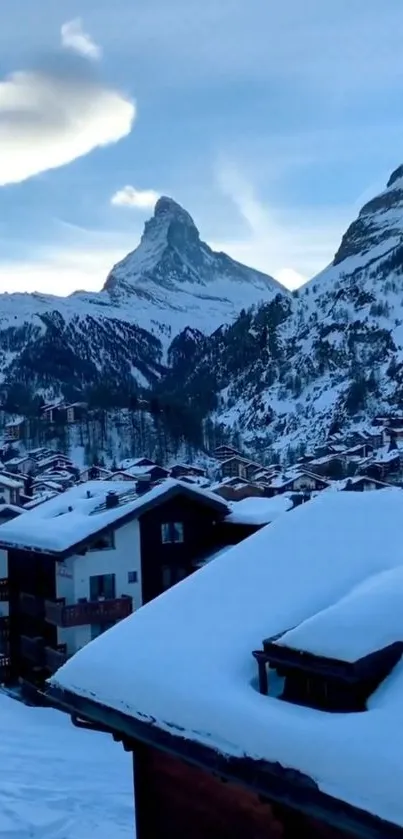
(271, 123)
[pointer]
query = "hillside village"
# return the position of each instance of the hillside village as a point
(78, 549)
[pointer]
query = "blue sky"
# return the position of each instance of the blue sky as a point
(270, 122)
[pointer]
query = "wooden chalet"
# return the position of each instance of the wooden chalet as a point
(177, 684)
(84, 559)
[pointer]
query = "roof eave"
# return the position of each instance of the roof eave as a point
(282, 785)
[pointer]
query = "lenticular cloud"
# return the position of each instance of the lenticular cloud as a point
(48, 118)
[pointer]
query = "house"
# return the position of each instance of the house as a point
(135, 462)
(312, 616)
(187, 470)
(152, 473)
(75, 412)
(234, 489)
(54, 413)
(362, 483)
(225, 452)
(10, 489)
(22, 465)
(239, 467)
(53, 461)
(95, 473)
(14, 429)
(300, 481)
(84, 559)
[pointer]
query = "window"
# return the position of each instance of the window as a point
(172, 532)
(102, 586)
(132, 577)
(106, 542)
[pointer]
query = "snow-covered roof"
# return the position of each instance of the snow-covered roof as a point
(286, 573)
(15, 422)
(68, 519)
(10, 483)
(258, 511)
(386, 456)
(369, 618)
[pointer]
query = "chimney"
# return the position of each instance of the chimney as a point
(143, 484)
(111, 500)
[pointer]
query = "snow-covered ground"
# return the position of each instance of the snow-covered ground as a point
(58, 781)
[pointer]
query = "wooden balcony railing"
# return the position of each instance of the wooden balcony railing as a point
(55, 658)
(32, 649)
(31, 605)
(4, 590)
(88, 612)
(5, 669)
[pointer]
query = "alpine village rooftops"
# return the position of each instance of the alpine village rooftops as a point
(316, 598)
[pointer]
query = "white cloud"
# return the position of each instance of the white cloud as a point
(75, 38)
(50, 118)
(129, 196)
(291, 246)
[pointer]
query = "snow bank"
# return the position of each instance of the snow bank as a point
(60, 781)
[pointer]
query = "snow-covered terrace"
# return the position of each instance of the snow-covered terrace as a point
(76, 515)
(283, 576)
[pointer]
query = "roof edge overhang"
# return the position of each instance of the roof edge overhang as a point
(273, 781)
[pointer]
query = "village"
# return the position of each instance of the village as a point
(76, 543)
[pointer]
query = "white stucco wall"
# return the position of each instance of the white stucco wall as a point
(73, 578)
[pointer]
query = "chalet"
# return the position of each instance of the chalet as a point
(312, 616)
(53, 413)
(53, 461)
(75, 412)
(14, 429)
(363, 483)
(11, 489)
(235, 489)
(385, 463)
(301, 481)
(84, 559)
(152, 473)
(328, 464)
(225, 453)
(239, 467)
(187, 470)
(95, 473)
(22, 465)
(135, 463)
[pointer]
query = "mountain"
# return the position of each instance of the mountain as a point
(172, 281)
(286, 373)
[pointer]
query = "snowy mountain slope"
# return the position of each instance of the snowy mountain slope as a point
(290, 371)
(170, 282)
(60, 782)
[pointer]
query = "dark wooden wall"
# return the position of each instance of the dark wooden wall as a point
(175, 800)
(34, 574)
(200, 534)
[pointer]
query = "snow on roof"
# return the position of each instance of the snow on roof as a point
(258, 511)
(369, 618)
(15, 422)
(79, 513)
(10, 483)
(386, 457)
(300, 565)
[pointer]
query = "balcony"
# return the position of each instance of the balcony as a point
(55, 658)
(5, 669)
(32, 649)
(88, 612)
(4, 591)
(31, 605)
